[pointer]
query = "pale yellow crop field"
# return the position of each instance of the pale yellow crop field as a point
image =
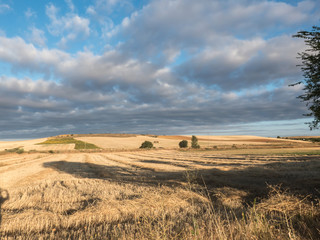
(159, 142)
(249, 193)
(129, 142)
(30, 145)
(26, 144)
(172, 142)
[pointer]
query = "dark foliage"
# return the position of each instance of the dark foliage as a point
(310, 66)
(183, 144)
(194, 142)
(146, 144)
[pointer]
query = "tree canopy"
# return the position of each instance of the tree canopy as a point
(146, 144)
(194, 142)
(310, 66)
(183, 144)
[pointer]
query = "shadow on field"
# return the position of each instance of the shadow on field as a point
(4, 196)
(114, 173)
(298, 175)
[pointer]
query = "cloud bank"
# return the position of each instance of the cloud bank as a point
(166, 67)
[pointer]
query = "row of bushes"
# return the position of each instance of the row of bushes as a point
(15, 150)
(182, 144)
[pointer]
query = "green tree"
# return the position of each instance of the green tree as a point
(194, 142)
(146, 144)
(310, 66)
(183, 144)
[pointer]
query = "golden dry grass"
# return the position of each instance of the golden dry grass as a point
(160, 194)
(130, 142)
(172, 142)
(33, 145)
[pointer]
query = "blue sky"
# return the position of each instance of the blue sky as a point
(158, 67)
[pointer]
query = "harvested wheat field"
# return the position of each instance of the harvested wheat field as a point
(33, 145)
(134, 141)
(243, 188)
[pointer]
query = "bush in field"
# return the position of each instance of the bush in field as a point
(194, 142)
(183, 144)
(146, 144)
(20, 150)
(16, 150)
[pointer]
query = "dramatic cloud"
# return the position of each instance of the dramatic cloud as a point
(38, 103)
(85, 71)
(21, 55)
(162, 67)
(193, 25)
(244, 64)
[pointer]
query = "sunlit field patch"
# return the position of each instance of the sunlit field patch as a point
(67, 140)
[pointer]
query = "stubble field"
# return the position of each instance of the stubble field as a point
(237, 188)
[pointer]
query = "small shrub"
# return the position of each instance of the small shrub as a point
(16, 150)
(51, 151)
(12, 150)
(146, 144)
(183, 144)
(194, 142)
(20, 150)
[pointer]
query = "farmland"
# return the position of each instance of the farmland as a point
(240, 187)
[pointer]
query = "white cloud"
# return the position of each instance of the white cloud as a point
(4, 8)
(107, 27)
(240, 64)
(30, 13)
(125, 22)
(70, 27)
(37, 37)
(84, 70)
(193, 25)
(51, 12)
(245, 63)
(103, 11)
(90, 10)
(70, 5)
(109, 6)
(21, 55)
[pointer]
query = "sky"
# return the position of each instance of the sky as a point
(204, 67)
